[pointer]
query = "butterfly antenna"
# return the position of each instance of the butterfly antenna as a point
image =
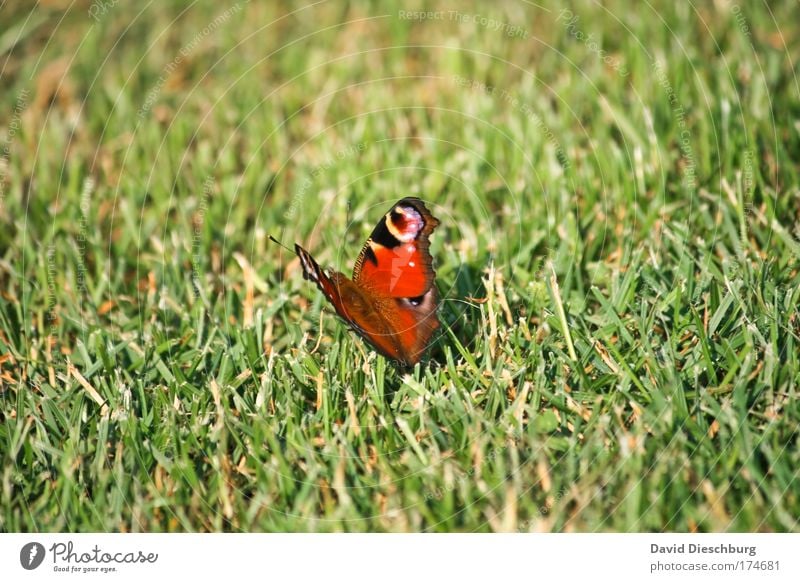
(273, 239)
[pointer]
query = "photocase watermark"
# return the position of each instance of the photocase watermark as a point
(308, 182)
(67, 559)
(183, 53)
(466, 478)
(684, 135)
(13, 127)
(197, 234)
(741, 21)
(748, 181)
(487, 22)
(524, 108)
(526, 525)
(570, 22)
(51, 270)
(439, 492)
(31, 555)
(100, 8)
(83, 229)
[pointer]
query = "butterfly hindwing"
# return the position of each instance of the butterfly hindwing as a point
(415, 323)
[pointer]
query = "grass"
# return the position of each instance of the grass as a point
(618, 256)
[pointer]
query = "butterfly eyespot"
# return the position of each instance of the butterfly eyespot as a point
(415, 301)
(405, 223)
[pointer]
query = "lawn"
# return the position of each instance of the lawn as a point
(618, 260)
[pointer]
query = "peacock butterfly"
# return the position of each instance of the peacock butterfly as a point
(391, 300)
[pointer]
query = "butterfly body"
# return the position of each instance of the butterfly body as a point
(391, 299)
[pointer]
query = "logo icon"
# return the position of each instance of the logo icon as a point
(31, 555)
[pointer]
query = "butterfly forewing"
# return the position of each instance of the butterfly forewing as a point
(396, 260)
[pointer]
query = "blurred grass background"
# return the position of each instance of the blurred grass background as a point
(163, 367)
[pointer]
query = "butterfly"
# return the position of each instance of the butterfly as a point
(391, 300)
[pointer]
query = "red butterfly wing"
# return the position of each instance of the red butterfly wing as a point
(396, 260)
(391, 301)
(414, 322)
(366, 315)
(313, 272)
